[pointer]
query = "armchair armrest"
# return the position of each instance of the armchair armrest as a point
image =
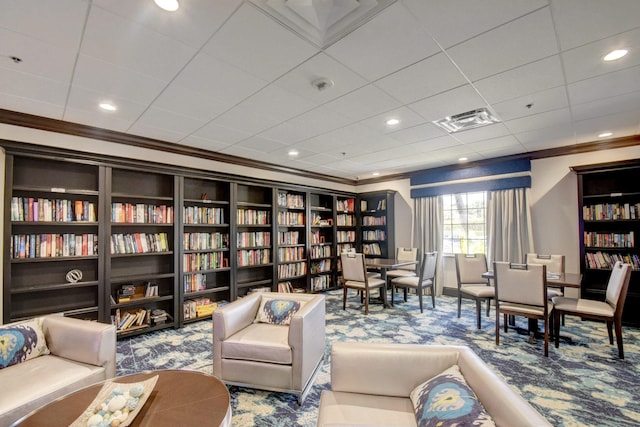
(82, 340)
(307, 338)
(231, 318)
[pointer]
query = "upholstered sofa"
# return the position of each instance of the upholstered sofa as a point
(251, 351)
(77, 353)
(371, 385)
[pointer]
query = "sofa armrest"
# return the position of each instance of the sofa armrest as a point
(82, 340)
(387, 369)
(307, 339)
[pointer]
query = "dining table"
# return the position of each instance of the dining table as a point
(383, 265)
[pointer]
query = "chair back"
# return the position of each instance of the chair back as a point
(521, 283)
(353, 267)
(617, 286)
(428, 266)
(407, 254)
(554, 263)
(469, 269)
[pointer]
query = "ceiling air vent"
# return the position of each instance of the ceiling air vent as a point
(469, 120)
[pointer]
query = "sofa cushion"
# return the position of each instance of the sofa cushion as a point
(260, 342)
(346, 409)
(277, 311)
(20, 342)
(447, 399)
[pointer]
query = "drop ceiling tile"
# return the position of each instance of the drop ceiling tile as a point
(514, 44)
(418, 133)
(214, 131)
(606, 106)
(177, 125)
(494, 144)
(435, 144)
(30, 86)
(321, 66)
(203, 143)
(530, 78)
(92, 117)
(133, 46)
(319, 159)
(453, 21)
(408, 119)
(192, 24)
(82, 107)
(604, 86)
(455, 101)
(578, 22)
(257, 44)
(539, 121)
(428, 77)
(363, 103)
(31, 106)
(479, 134)
(237, 150)
(42, 21)
(586, 61)
(190, 103)
(549, 137)
(312, 123)
(380, 46)
(153, 132)
(262, 145)
(491, 153)
(277, 103)
(546, 100)
(624, 124)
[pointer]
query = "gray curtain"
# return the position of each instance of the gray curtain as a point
(428, 231)
(510, 235)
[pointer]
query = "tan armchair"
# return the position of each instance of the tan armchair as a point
(276, 357)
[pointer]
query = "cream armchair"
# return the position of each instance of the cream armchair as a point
(267, 356)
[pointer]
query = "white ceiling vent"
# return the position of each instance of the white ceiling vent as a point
(323, 22)
(469, 120)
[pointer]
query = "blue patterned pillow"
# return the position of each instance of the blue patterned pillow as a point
(447, 400)
(277, 311)
(20, 342)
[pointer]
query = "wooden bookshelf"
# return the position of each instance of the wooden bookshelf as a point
(376, 237)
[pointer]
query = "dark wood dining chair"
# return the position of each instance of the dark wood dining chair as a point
(426, 279)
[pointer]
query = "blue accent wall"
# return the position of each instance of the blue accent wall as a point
(469, 187)
(444, 174)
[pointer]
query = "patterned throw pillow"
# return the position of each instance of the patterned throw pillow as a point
(447, 400)
(277, 311)
(20, 342)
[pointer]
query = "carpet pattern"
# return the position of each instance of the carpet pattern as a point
(582, 383)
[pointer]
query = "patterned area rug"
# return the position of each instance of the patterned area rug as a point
(582, 383)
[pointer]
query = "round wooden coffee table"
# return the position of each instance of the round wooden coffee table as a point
(185, 398)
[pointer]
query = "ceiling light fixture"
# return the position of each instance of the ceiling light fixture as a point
(107, 106)
(393, 122)
(168, 5)
(605, 134)
(462, 159)
(376, 174)
(293, 153)
(615, 54)
(467, 120)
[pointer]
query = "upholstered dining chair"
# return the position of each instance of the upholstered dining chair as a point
(471, 284)
(354, 275)
(609, 310)
(521, 290)
(404, 254)
(426, 279)
(555, 265)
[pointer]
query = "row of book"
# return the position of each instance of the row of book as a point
(290, 254)
(320, 251)
(345, 220)
(200, 307)
(34, 209)
(345, 236)
(374, 235)
(141, 213)
(345, 247)
(253, 217)
(610, 211)
(317, 238)
(131, 319)
(251, 257)
(205, 261)
(290, 218)
(609, 240)
(321, 266)
(286, 287)
(345, 205)
(607, 260)
(288, 237)
(250, 239)
(291, 201)
(194, 282)
(53, 245)
(292, 270)
(203, 215)
(205, 241)
(371, 249)
(139, 243)
(319, 283)
(374, 220)
(380, 206)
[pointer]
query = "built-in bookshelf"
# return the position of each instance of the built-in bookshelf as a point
(141, 262)
(292, 263)
(322, 246)
(205, 258)
(609, 202)
(254, 242)
(375, 224)
(345, 224)
(52, 261)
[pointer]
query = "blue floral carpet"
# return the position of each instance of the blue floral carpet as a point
(582, 383)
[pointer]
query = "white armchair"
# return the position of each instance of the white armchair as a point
(268, 356)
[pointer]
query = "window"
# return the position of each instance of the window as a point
(465, 218)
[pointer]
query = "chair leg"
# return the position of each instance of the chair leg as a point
(556, 327)
(610, 331)
(393, 294)
(406, 291)
(488, 306)
(498, 326)
(366, 301)
(506, 326)
(344, 298)
(459, 303)
(546, 338)
(618, 324)
(419, 297)
(433, 296)
(479, 313)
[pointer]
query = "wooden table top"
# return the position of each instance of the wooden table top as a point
(568, 280)
(179, 398)
(386, 263)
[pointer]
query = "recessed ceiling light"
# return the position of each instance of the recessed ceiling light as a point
(168, 5)
(293, 153)
(376, 174)
(107, 106)
(605, 134)
(615, 54)
(462, 159)
(392, 122)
